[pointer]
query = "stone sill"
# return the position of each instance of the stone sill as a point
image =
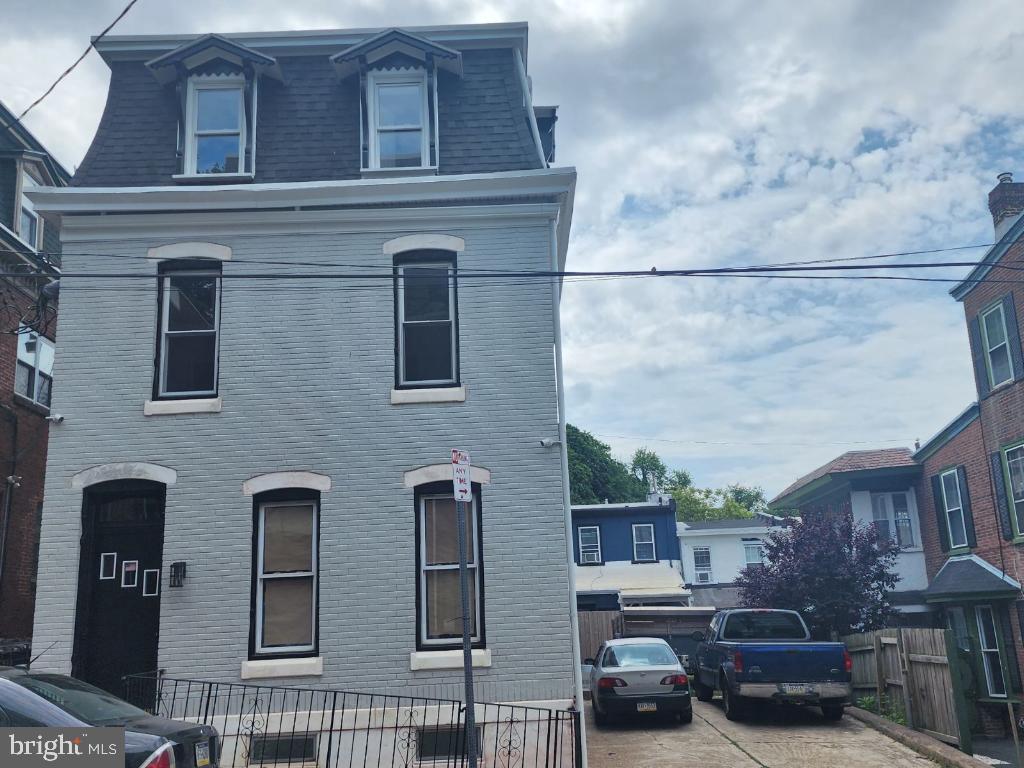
(429, 395)
(168, 407)
(270, 668)
(426, 660)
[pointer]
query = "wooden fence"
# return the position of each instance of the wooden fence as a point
(595, 628)
(917, 670)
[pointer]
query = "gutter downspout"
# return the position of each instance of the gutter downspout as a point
(528, 99)
(10, 485)
(574, 623)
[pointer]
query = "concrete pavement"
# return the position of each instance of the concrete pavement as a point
(773, 738)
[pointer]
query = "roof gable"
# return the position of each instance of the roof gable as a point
(208, 48)
(991, 259)
(849, 463)
(395, 41)
(19, 139)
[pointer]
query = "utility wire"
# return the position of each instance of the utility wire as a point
(749, 442)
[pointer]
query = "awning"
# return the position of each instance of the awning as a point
(633, 581)
(969, 577)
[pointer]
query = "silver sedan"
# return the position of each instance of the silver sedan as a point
(639, 676)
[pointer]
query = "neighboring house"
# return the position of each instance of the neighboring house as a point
(28, 324)
(715, 551)
(253, 481)
(876, 486)
(627, 555)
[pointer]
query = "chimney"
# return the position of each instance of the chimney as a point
(1005, 202)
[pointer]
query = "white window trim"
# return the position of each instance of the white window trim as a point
(212, 401)
(415, 77)
(760, 548)
(698, 570)
(579, 539)
(915, 533)
(986, 651)
(423, 568)
(947, 509)
(156, 591)
(990, 349)
(654, 547)
(40, 341)
(452, 320)
(196, 84)
(103, 561)
(134, 573)
(27, 205)
(258, 646)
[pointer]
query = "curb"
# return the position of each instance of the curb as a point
(925, 745)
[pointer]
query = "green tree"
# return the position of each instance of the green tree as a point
(678, 478)
(696, 504)
(751, 498)
(647, 466)
(595, 475)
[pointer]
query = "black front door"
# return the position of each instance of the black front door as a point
(117, 621)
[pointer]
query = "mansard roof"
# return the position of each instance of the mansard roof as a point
(393, 41)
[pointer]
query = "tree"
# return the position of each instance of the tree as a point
(832, 570)
(595, 475)
(696, 504)
(647, 467)
(751, 498)
(677, 479)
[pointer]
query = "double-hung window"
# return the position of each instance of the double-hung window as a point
(702, 565)
(33, 377)
(215, 141)
(286, 577)
(189, 329)
(997, 348)
(989, 647)
(440, 609)
(399, 133)
(1015, 470)
(29, 225)
(952, 504)
(643, 543)
(590, 544)
(427, 323)
(753, 553)
(891, 513)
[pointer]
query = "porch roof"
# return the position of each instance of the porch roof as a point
(968, 576)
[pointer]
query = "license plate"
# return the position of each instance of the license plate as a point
(202, 754)
(647, 707)
(797, 688)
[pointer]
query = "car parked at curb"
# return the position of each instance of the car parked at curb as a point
(638, 676)
(194, 745)
(755, 655)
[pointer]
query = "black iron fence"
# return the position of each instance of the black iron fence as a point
(283, 727)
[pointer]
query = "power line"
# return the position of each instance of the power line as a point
(69, 70)
(750, 442)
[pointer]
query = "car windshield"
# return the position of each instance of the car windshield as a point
(652, 655)
(764, 625)
(80, 699)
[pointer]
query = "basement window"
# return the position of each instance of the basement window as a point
(446, 744)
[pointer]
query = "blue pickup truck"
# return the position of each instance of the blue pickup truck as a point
(758, 655)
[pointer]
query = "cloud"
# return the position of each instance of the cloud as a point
(709, 134)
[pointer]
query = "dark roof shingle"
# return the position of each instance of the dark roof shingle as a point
(854, 461)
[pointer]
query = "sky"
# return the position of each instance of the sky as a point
(705, 135)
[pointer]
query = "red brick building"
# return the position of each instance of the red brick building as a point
(28, 320)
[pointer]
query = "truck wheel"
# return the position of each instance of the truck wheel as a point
(704, 692)
(733, 705)
(832, 712)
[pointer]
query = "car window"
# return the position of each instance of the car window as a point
(26, 709)
(764, 625)
(652, 655)
(80, 699)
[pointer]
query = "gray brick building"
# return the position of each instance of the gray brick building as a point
(276, 322)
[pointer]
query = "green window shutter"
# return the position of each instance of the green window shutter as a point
(978, 355)
(941, 524)
(1002, 503)
(1009, 657)
(965, 501)
(1013, 336)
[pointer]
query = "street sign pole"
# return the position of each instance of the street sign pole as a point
(463, 493)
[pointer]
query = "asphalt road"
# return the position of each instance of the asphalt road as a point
(776, 737)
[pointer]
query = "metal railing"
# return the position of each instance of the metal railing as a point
(284, 727)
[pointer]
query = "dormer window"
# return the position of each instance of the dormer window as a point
(215, 142)
(398, 120)
(29, 225)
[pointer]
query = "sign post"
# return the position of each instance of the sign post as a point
(463, 493)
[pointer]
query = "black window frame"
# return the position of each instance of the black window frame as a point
(446, 488)
(421, 258)
(167, 269)
(279, 496)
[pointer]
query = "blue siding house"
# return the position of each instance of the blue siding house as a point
(627, 555)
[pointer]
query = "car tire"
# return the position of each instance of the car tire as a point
(832, 713)
(733, 705)
(686, 717)
(600, 718)
(704, 692)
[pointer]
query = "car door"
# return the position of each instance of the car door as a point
(707, 665)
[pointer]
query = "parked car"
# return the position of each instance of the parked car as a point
(22, 708)
(195, 746)
(638, 675)
(761, 655)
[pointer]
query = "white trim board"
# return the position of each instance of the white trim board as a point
(260, 669)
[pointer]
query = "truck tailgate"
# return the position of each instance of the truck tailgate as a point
(792, 662)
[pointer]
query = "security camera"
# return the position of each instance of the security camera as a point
(547, 442)
(56, 418)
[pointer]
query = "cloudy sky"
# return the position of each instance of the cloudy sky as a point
(706, 134)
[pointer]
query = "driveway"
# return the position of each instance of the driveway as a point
(774, 738)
